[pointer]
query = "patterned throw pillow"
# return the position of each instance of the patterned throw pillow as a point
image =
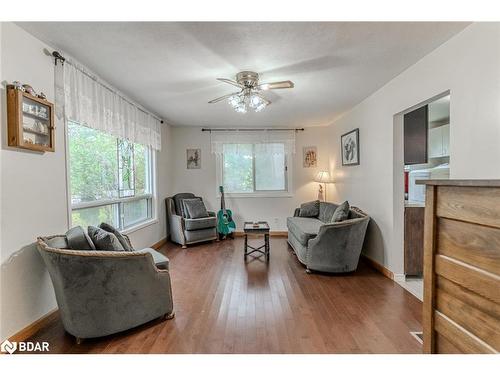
(309, 209)
(341, 213)
(104, 240)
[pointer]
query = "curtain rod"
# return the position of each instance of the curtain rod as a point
(58, 57)
(250, 129)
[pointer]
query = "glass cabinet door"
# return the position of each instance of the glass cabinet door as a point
(36, 123)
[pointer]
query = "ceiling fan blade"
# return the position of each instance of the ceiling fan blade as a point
(276, 85)
(231, 82)
(223, 97)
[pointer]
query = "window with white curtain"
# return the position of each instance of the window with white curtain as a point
(250, 168)
(111, 179)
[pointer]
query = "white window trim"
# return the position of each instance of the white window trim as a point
(153, 195)
(257, 194)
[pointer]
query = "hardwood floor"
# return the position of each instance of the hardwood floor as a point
(224, 305)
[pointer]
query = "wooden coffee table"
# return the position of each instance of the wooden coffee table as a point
(262, 227)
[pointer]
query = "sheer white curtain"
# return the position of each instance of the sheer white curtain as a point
(265, 137)
(82, 97)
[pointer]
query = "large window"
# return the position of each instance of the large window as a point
(254, 168)
(110, 179)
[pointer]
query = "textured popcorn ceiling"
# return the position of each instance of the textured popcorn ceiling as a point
(170, 68)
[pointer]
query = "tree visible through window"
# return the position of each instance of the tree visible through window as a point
(110, 179)
(248, 168)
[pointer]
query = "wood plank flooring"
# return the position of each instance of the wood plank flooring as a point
(224, 305)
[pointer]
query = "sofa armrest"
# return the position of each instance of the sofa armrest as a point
(296, 212)
(337, 246)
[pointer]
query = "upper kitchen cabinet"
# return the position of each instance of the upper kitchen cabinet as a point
(415, 136)
(439, 141)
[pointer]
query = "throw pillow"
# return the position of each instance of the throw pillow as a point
(195, 208)
(79, 240)
(309, 209)
(111, 229)
(341, 212)
(185, 210)
(104, 240)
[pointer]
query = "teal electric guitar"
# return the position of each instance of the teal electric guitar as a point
(225, 223)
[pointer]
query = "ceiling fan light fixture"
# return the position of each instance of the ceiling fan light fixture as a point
(249, 97)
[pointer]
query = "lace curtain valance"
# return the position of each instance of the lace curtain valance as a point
(84, 98)
(219, 138)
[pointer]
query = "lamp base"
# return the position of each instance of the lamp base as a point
(320, 193)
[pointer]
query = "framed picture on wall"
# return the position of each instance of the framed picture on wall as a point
(349, 146)
(310, 157)
(193, 158)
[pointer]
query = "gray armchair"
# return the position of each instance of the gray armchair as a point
(328, 247)
(184, 230)
(103, 292)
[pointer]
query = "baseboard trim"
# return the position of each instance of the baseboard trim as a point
(159, 244)
(273, 233)
(380, 268)
(36, 326)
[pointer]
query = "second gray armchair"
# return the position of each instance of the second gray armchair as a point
(185, 230)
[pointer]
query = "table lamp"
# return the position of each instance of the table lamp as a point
(323, 177)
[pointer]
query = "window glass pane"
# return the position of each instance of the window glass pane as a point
(238, 168)
(141, 161)
(270, 166)
(136, 211)
(126, 168)
(93, 164)
(95, 216)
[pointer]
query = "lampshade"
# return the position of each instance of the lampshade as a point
(323, 177)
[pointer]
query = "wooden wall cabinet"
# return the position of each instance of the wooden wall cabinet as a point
(30, 121)
(414, 241)
(462, 266)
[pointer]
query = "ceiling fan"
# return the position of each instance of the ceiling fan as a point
(250, 96)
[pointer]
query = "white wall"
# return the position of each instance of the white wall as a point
(202, 181)
(33, 192)
(469, 66)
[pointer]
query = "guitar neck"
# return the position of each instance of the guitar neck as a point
(222, 202)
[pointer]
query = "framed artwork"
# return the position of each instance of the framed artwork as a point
(193, 158)
(349, 145)
(310, 156)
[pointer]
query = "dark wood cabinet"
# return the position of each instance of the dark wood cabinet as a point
(415, 136)
(414, 241)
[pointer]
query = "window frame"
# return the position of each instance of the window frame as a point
(286, 192)
(152, 195)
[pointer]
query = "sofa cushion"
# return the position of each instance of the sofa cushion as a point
(194, 208)
(104, 240)
(341, 213)
(57, 242)
(326, 210)
(161, 261)
(79, 240)
(201, 223)
(304, 228)
(111, 229)
(309, 209)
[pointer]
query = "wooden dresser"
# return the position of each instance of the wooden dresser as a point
(462, 266)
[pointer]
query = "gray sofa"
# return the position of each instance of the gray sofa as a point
(103, 292)
(324, 246)
(184, 230)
